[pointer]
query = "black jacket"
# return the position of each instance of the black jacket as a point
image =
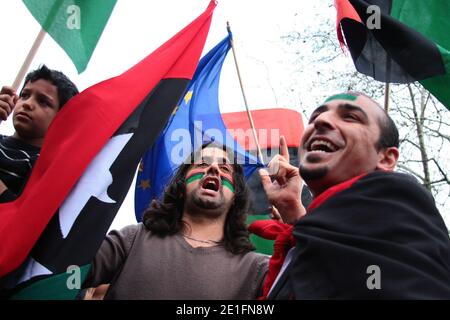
(384, 220)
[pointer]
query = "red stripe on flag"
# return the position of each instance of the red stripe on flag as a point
(267, 122)
(345, 10)
(82, 128)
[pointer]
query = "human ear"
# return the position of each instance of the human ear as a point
(387, 159)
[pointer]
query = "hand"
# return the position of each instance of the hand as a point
(8, 99)
(285, 190)
(3, 187)
(274, 214)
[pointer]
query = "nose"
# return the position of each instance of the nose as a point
(324, 121)
(28, 104)
(213, 169)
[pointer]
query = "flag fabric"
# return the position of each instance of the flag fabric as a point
(197, 120)
(76, 25)
(408, 41)
(88, 160)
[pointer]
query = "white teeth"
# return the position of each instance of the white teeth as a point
(318, 143)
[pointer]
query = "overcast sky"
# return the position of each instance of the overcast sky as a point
(137, 27)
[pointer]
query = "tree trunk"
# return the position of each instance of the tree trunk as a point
(419, 121)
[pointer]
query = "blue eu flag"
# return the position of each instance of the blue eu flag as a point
(197, 119)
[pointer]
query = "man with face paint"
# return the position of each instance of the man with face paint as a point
(370, 232)
(193, 244)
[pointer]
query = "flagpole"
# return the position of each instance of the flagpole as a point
(26, 64)
(386, 97)
(260, 156)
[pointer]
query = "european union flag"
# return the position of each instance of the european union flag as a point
(196, 120)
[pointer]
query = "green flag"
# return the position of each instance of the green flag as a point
(399, 41)
(76, 25)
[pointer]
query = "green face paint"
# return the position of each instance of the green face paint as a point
(341, 96)
(196, 176)
(227, 183)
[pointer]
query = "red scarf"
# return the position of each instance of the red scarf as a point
(282, 233)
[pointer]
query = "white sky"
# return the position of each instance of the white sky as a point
(137, 27)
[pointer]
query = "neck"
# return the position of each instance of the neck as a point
(316, 189)
(203, 228)
(34, 142)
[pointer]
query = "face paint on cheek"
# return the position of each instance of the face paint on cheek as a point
(227, 181)
(193, 175)
(342, 96)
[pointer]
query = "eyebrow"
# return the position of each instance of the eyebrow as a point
(342, 107)
(350, 107)
(219, 160)
(49, 98)
(319, 110)
(40, 94)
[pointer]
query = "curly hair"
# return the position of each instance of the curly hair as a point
(165, 217)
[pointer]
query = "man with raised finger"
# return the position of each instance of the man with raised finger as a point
(370, 232)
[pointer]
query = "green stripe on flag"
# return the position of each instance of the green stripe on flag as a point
(76, 25)
(440, 86)
(430, 18)
(262, 245)
(55, 287)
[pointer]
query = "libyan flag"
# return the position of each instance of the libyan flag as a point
(399, 41)
(87, 164)
(76, 25)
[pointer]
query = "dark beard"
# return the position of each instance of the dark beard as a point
(309, 175)
(206, 204)
(196, 204)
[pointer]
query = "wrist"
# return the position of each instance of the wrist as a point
(292, 212)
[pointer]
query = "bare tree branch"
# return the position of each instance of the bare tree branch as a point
(407, 169)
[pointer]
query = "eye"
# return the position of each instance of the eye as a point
(202, 165)
(351, 117)
(45, 102)
(24, 95)
(225, 168)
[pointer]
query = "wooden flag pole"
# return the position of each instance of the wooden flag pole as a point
(26, 64)
(260, 156)
(386, 96)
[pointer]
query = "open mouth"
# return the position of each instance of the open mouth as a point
(211, 183)
(320, 145)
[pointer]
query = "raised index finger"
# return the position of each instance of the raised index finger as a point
(284, 152)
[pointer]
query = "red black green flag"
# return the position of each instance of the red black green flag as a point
(399, 41)
(86, 167)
